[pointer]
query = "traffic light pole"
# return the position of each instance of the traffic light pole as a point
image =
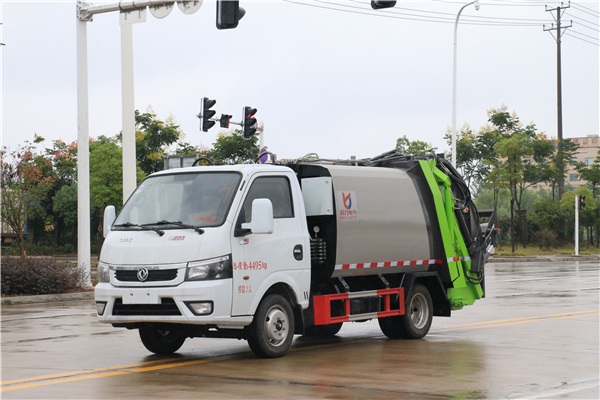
(576, 225)
(84, 14)
(83, 158)
(128, 111)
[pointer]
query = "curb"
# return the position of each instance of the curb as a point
(47, 298)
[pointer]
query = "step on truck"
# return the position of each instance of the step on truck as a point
(262, 252)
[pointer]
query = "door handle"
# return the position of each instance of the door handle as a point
(298, 253)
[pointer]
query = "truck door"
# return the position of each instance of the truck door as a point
(256, 256)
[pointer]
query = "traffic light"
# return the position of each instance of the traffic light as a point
(377, 4)
(581, 202)
(206, 114)
(229, 13)
(249, 123)
(224, 121)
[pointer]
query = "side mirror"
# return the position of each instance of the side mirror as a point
(262, 217)
(109, 218)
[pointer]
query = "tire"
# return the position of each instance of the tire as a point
(417, 318)
(323, 331)
(271, 332)
(161, 341)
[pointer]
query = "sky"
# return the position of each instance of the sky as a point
(331, 77)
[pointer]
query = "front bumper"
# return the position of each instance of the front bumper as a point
(125, 305)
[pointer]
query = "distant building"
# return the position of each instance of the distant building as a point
(587, 152)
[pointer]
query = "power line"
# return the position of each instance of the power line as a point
(584, 11)
(585, 20)
(452, 16)
(410, 17)
(583, 40)
(587, 8)
(506, 3)
(588, 27)
(591, 37)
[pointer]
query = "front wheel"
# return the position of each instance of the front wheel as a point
(417, 318)
(161, 341)
(271, 332)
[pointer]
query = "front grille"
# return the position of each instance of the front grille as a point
(167, 307)
(154, 275)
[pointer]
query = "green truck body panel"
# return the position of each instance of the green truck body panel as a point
(463, 292)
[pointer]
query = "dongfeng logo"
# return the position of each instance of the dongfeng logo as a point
(142, 274)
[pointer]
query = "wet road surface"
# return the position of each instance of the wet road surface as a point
(535, 336)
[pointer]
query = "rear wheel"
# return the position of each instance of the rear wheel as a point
(416, 321)
(323, 330)
(161, 341)
(271, 332)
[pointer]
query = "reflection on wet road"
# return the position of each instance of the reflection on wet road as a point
(535, 335)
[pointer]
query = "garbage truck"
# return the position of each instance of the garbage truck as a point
(265, 251)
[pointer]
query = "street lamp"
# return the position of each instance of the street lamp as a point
(454, 138)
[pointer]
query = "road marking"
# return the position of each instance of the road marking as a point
(571, 313)
(65, 374)
(96, 373)
(515, 321)
(113, 373)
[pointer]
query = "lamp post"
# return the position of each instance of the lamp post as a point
(454, 138)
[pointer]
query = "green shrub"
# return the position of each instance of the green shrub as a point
(33, 277)
(546, 239)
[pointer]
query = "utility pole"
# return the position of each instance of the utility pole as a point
(559, 28)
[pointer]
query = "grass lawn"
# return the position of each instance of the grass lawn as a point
(532, 250)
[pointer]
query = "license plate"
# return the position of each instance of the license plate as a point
(142, 296)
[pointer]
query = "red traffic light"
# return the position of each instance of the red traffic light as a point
(249, 122)
(206, 114)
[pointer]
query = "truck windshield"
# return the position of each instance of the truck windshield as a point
(174, 201)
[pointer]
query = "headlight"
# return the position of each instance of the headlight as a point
(215, 268)
(103, 273)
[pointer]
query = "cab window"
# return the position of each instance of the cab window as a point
(275, 188)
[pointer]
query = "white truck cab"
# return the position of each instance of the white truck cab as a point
(203, 246)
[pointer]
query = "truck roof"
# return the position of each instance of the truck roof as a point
(243, 168)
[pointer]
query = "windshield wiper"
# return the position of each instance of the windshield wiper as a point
(141, 227)
(178, 223)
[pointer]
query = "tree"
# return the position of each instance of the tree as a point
(414, 147)
(547, 214)
(231, 148)
(64, 164)
(24, 186)
(554, 173)
(590, 173)
(106, 177)
(522, 155)
(474, 154)
(106, 173)
(152, 139)
(64, 205)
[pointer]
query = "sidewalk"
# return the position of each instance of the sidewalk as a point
(54, 298)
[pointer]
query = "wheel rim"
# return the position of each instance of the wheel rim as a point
(276, 325)
(167, 336)
(419, 311)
